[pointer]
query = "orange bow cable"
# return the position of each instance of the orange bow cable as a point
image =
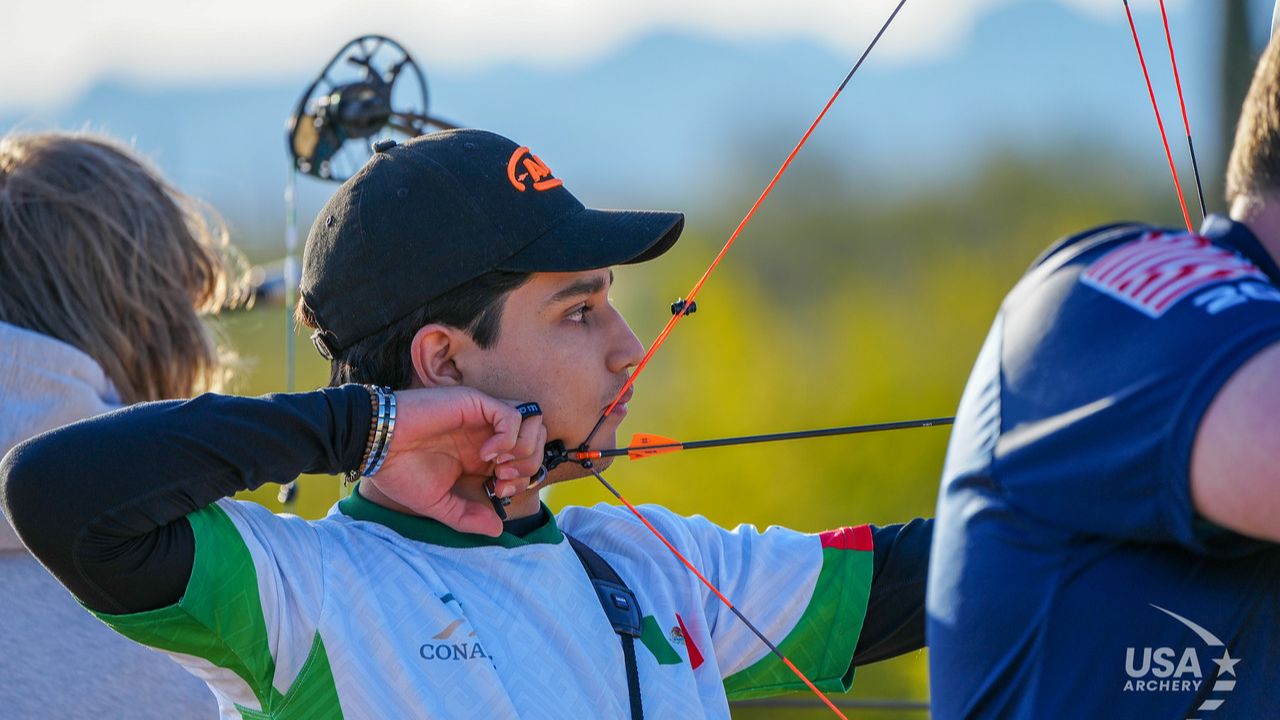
(716, 591)
(688, 299)
(1186, 216)
(1186, 124)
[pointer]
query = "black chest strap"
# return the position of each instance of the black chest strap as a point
(620, 606)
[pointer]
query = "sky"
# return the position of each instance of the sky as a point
(706, 95)
(56, 49)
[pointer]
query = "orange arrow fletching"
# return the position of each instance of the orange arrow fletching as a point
(644, 445)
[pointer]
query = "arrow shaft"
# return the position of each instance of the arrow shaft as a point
(767, 437)
(824, 432)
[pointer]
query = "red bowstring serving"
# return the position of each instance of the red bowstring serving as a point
(1186, 216)
(1182, 104)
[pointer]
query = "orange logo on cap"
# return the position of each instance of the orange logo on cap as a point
(525, 167)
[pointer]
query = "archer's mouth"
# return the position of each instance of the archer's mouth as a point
(620, 410)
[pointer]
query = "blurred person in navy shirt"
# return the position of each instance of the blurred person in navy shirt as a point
(1110, 507)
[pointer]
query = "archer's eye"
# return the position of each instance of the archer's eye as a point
(579, 314)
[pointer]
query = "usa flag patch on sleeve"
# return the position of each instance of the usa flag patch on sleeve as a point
(1153, 273)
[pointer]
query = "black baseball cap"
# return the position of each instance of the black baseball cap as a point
(426, 216)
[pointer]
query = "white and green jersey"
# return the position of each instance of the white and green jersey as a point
(369, 613)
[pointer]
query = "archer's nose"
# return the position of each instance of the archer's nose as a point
(627, 349)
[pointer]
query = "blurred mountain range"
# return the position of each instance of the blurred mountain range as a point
(688, 122)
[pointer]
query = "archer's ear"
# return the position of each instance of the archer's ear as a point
(433, 351)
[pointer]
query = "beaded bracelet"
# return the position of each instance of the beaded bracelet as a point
(386, 426)
(382, 405)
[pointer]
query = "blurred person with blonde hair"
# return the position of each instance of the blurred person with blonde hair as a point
(105, 273)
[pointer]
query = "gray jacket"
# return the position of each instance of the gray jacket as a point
(57, 660)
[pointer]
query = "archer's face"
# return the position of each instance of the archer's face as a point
(563, 345)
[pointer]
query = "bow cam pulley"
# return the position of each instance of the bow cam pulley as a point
(372, 87)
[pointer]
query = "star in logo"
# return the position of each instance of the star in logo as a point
(1226, 664)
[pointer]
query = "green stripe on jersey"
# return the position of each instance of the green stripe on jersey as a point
(822, 642)
(313, 695)
(220, 619)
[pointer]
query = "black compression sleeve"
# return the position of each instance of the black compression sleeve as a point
(895, 612)
(103, 502)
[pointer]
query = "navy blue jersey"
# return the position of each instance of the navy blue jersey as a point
(1070, 574)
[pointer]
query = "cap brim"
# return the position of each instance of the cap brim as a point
(594, 239)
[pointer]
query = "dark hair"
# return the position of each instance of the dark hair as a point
(383, 357)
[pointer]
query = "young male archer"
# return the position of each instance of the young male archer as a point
(451, 270)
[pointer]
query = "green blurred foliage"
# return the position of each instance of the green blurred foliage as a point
(843, 303)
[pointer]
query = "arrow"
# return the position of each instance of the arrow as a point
(645, 445)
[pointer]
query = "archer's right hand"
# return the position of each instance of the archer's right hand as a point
(443, 435)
